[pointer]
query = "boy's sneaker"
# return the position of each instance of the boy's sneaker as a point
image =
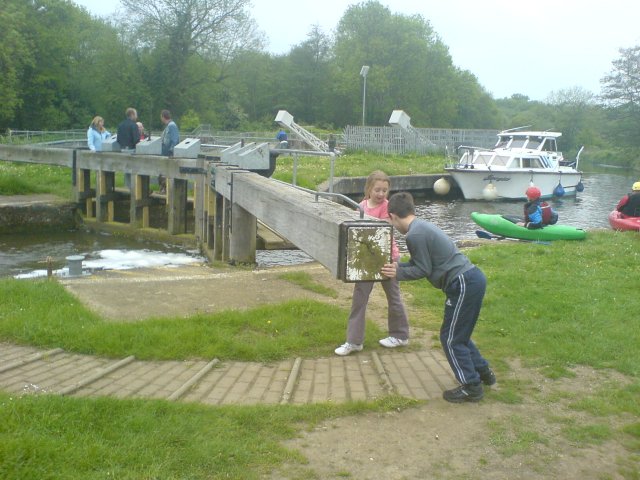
(347, 348)
(464, 393)
(393, 342)
(487, 376)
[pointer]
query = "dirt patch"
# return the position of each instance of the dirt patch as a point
(490, 439)
(140, 294)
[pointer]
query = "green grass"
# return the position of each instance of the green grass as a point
(306, 281)
(313, 171)
(25, 179)
(52, 437)
(514, 435)
(556, 306)
(43, 313)
(552, 307)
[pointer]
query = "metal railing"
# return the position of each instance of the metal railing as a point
(41, 136)
(307, 153)
(317, 194)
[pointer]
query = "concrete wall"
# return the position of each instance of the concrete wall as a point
(36, 214)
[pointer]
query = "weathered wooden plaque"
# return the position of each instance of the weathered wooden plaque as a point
(365, 246)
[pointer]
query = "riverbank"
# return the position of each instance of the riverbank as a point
(36, 213)
(564, 405)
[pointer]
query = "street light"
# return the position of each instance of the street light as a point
(363, 71)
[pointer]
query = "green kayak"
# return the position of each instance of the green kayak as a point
(499, 225)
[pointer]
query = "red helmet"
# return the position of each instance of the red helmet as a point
(533, 193)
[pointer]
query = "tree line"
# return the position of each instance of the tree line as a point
(205, 61)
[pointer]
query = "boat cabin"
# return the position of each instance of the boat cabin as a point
(541, 141)
(516, 150)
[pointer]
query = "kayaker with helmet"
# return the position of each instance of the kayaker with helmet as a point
(629, 205)
(537, 214)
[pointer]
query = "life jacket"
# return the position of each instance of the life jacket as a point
(549, 215)
(631, 207)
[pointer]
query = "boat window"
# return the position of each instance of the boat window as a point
(518, 142)
(482, 158)
(550, 145)
(502, 142)
(532, 162)
(534, 142)
(500, 160)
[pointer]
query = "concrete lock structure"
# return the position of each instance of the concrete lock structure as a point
(149, 146)
(216, 206)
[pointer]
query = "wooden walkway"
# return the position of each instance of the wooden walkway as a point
(422, 375)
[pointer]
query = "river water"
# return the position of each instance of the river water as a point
(24, 255)
(588, 209)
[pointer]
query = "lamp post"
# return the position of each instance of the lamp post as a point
(363, 71)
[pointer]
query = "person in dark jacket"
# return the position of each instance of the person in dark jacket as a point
(128, 133)
(629, 205)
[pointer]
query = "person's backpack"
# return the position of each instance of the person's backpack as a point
(549, 215)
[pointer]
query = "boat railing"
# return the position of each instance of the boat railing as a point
(469, 151)
(575, 163)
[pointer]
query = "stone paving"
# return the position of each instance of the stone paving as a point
(422, 375)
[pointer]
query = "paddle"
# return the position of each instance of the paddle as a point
(489, 236)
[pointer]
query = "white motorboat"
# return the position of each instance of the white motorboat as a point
(518, 160)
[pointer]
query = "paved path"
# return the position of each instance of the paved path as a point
(420, 374)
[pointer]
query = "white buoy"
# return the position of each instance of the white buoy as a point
(490, 192)
(441, 186)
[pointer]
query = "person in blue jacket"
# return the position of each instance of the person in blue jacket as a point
(170, 135)
(170, 138)
(96, 134)
(537, 214)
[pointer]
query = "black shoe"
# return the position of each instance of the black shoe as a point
(464, 393)
(487, 376)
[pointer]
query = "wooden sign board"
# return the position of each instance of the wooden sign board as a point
(365, 246)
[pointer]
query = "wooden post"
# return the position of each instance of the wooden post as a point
(105, 189)
(242, 245)
(177, 196)
(199, 210)
(225, 228)
(139, 211)
(83, 190)
(218, 227)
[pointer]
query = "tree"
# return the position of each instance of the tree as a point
(621, 94)
(306, 76)
(175, 32)
(15, 55)
(411, 69)
(574, 113)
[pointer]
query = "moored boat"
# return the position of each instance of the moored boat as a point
(499, 225)
(618, 221)
(518, 160)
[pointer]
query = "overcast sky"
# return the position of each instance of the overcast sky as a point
(532, 48)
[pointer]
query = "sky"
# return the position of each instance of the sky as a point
(529, 48)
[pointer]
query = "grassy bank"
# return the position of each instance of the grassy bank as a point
(52, 438)
(24, 179)
(552, 307)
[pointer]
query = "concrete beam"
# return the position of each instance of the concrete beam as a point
(44, 155)
(312, 225)
(152, 165)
